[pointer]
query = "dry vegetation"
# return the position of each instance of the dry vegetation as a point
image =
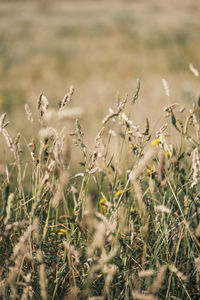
(96, 206)
(125, 227)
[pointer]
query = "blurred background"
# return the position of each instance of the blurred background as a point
(101, 47)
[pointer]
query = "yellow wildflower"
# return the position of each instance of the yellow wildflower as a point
(118, 193)
(167, 154)
(156, 142)
(150, 170)
(62, 231)
(103, 206)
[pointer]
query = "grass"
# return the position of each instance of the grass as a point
(93, 206)
(126, 226)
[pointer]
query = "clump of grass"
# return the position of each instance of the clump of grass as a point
(125, 226)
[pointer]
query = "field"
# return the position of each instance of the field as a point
(99, 157)
(101, 48)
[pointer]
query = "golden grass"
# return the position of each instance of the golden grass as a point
(125, 227)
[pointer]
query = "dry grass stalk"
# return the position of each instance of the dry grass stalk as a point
(2, 119)
(196, 167)
(21, 246)
(157, 284)
(14, 147)
(138, 194)
(66, 151)
(43, 278)
(57, 151)
(161, 165)
(43, 104)
(2, 288)
(113, 114)
(166, 87)
(131, 125)
(134, 176)
(193, 70)
(197, 230)
(20, 251)
(72, 251)
(67, 98)
(187, 123)
(28, 113)
(196, 123)
(52, 166)
(197, 265)
(8, 208)
(135, 97)
(109, 271)
(16, 142)
(63, 180)
(32, 149)
(9, 140)
(27, 292)
(98, 239)
(186, 204)
(98, 137)
(182, 109)
(146, 131)
(62, 151)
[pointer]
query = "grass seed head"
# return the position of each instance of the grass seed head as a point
(28, 113)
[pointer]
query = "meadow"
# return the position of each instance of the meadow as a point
(125, 227)
(99, 156)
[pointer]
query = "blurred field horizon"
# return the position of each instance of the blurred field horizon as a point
(101, 48)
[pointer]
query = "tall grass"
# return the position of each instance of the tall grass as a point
(125, 226)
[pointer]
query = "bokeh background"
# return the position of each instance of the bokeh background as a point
(101, 47)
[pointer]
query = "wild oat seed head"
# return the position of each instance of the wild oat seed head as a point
(67, 98)
(43, 104)
(28, 113)
(9, 140)
(2, 119)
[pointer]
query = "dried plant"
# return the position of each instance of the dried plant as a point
(120, 226)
